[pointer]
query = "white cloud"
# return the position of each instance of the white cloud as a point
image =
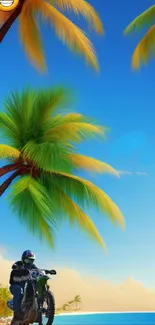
(124, 172)
(142, 173)
(121, 172)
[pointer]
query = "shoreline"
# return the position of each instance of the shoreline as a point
(105, 312)
(7, 320)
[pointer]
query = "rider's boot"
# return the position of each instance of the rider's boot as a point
(18, 315)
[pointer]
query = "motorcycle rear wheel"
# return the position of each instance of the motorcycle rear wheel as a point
(48, 318)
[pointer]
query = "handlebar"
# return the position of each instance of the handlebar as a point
(51, 272)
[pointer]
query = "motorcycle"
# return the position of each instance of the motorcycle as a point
(38, 304)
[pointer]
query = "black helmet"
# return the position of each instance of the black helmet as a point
(28, 257)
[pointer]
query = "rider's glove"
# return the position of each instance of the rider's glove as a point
(53, 272)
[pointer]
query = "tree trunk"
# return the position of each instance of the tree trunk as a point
(8, 181)
(7, 25)
(9, 168)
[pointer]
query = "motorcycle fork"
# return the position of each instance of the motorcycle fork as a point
(35, 298)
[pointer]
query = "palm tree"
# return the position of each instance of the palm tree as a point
(43, 161)
(28, 12)
(77, 301)
(64, 307)
(70, 304)
(146, 47)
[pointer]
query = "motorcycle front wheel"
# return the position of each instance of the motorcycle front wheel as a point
(46, 317)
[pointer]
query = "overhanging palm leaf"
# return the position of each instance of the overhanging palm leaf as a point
(83, 8)
(43, 156)
(69, 33)
(29, 11)
(143, 20)
(146, 47)
(30, 39)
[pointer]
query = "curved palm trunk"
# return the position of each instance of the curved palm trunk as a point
(7, 25)
(8, 181)
(9, 168)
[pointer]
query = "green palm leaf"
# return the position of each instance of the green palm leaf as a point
(9, 129)
(65, 206)
(86, 194)
(34, 207)
(145, 19)
(48, 156)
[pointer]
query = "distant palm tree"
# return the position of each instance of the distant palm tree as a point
(146, 47)
(77, 301)
(43, 161)
(64, 307)
(29, 12)
(70, 303)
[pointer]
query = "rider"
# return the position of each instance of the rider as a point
(18, 277)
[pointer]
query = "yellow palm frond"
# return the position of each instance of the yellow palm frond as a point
(8, 152)
(72, 127)
(69, 33)
(91, 164)
(75, 132)
(105, 203)
(145, 19)
(76, 214)
(83, 8)
(145, 49)
(30, 38)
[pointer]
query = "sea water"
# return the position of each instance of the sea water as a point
(107, 319)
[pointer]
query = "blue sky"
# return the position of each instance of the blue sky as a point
(120, 99)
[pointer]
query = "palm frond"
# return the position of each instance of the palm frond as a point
(83, 8)
(91, 164)
(8, 152)
(72, 127)
(147, 18)
(30, 38)
(69, 33)
(86, 193)
(65, 206)
(19, 109)
(9, 128)
(77, 215)
(47, 156)
(145, 49)
(49, 102)
(31, 201)
(27, 112)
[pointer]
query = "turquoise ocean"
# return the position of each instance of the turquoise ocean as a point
(107, 319)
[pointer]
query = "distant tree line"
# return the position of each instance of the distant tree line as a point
(72, 305)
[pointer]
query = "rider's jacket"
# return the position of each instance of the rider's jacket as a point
(20, 273)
